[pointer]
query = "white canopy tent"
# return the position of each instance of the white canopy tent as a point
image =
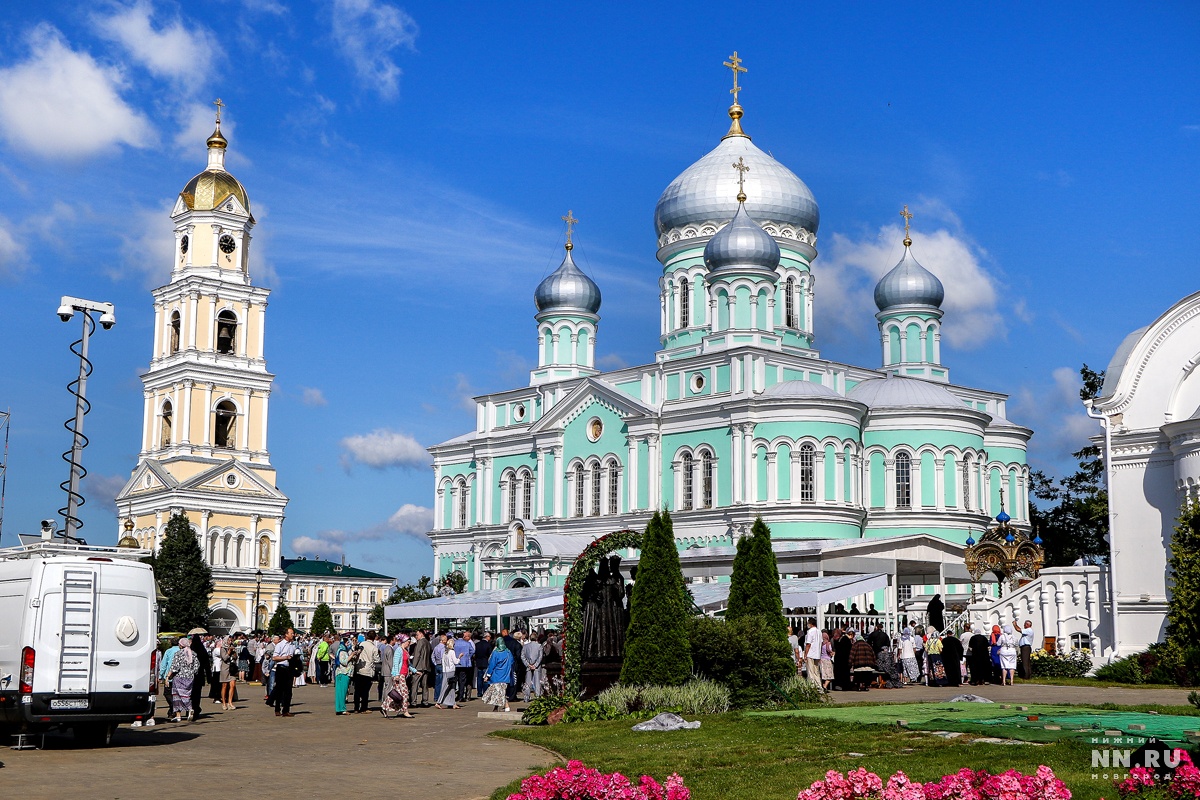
(816, 592)
(546, 601)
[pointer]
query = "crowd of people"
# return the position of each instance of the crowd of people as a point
(856, 660)
(448, 668)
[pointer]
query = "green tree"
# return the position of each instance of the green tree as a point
(281, 620)
(455, 580)
(1183, 606)
(185, 580)
(657, 650)
(408, 593)
(754, 584)
(322, 620)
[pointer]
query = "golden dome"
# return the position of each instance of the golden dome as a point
(211, 188)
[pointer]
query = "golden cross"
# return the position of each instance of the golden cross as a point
(735, 64)
(907, 216)
(219, 106)
(571, 222)
(742, 168)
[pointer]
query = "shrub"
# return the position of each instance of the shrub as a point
(744, 654)
(697, 696)
(588, 711)
(801, 691)
(1122, 670)
(540, 708)
(1165, 663)
(1194, 698)
(657, 649)
(581, 783)
(1074, 664)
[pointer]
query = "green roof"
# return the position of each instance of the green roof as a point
(330, 569)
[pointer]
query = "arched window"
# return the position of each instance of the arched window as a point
(706, 478)
(685, 303)
(512, 496)
(165, 434)
(225, 427)
(596, 490)
(903, 480)
(526, 482)
(614, 500)
(579, 495)
(966, 483)
(174, 343)
(687, 496)
(462, 505)
(226, 331)
(789, 304)
(808, 487)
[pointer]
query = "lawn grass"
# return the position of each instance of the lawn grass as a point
(1097, 684)
(774, 757)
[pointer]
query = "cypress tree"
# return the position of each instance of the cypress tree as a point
(185, 580)
(657, 650)
(1183, 608)
(322, 620)
(281, 620)
(754, 585)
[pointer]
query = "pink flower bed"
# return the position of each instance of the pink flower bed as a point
(965, 784)
(577, 782)
(1144, 784)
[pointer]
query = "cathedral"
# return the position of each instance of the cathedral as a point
(737, 415)
(204, 429)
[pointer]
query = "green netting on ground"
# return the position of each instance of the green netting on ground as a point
(991, 719)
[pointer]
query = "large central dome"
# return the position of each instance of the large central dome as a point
(705, 195)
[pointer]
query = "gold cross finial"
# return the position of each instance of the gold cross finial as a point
(219, 106)
(735, 64)
(907, 216)
(571, 223)
(742, 168)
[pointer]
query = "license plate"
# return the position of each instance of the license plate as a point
(69, 705)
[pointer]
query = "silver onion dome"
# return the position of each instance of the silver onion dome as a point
(567, 289)
(741, 245)
(909, 284)
(705, 191)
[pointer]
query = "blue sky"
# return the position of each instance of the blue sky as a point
(408, 167)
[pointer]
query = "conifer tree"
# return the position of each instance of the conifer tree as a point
(185, 580)
(754, 585)
(322, 620)
(657, 650)
(1183, 608)
(281, 620)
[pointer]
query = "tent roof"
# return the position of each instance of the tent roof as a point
(797, 592)
(525, 602)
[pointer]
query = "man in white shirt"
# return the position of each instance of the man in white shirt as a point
(812, 653)
(285, 676)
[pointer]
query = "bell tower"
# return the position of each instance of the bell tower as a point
(206, 394)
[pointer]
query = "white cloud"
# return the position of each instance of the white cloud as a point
(196, 123)
(101, 490)
(412, 519)
(367, 32)
(848, 271)
(313, 397)
(12, 253)
(1056, 414)
(383, 448)
(182, 53)
(147, 246)
(60, 103)
(321, 545)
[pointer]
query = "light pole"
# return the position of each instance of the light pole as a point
(355, 617)
(66, 309)
(257, 592)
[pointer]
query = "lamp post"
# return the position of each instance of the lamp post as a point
(355, 617)
(66, 309)
(257, 592)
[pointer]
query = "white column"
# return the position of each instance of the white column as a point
(479, 471)
(794, 492)
(176, 391)
(262, 328)
(819, 477)
(915, 494)
(939, 483)
(193, 321)
(751, 480)
(208, 417)
(147, 420)
(243, 442)
(655, 467)
(186, 433)
(631, 475)
(839, 478)
(244, 331)
(539, 486)
(204, 515)
(889, 484)
(754, 311)
(266, 398)
(772, 478)
(439, 521)
(771, 312)
(558, 481)
(735, 468)
(162, 319)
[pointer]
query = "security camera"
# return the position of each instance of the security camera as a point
(48, 524)
(108, 319)
(65, 312)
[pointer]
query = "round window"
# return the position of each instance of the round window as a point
(697, 381)
(594, 429)
(519, 412)
(231, 479)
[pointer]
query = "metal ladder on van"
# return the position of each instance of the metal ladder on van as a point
(78, 629)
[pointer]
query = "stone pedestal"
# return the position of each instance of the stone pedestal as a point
(596, 676)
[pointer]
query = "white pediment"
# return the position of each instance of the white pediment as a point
(592, 391)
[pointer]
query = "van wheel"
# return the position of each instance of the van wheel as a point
(94, 735)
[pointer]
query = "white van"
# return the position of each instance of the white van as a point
(78, 628)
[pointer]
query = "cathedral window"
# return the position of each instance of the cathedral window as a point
(614, 498)
(706, 477)
(174, 334)
(512, 497)
(966, 484)
(225, 429)
(685, 303)
(462, 505)
(903, 480)
(337, 596)
(789, 304)
(165, 435)
(579, 495)
(596, 490)
(526, 483)
(320, 595)
(687, 495)
(226, 332)
(808, 490)
(303, 594)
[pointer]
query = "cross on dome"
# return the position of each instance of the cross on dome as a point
(907, 218)
(735, 65)
(571, 223)
(219, 106)
(742, 168)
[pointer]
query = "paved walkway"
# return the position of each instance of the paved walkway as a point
(1021, 693)
(444, 753)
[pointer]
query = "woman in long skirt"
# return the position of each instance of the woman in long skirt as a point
(343, 669)
(935, 669)
(449, 664)
(826, 661)
(400, 670)
(499, 673)
(184, 667)
(842, 678)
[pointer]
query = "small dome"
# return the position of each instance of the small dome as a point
(794, 389)
(705, 191)
(909, 284)
(211, 188)
(894, 392)
(567, 289)
(742, 244)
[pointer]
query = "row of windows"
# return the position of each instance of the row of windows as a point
(224, 424)
(789, 303)
(688, 500)
(227, 325)
(373, 596)
(596, 474)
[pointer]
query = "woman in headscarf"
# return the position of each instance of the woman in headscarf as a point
(1008, 654)
(396, 699)
(499, 675)
(994, 651)
(184, 667)
(842, 644)
(449, 664)
(201, 675)
(952, 654)
(862, 661)
(980, 659)
(343, 668)
(885, 662)
(908, 657)
(937, 611)
(826, 661)
(935, 670)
